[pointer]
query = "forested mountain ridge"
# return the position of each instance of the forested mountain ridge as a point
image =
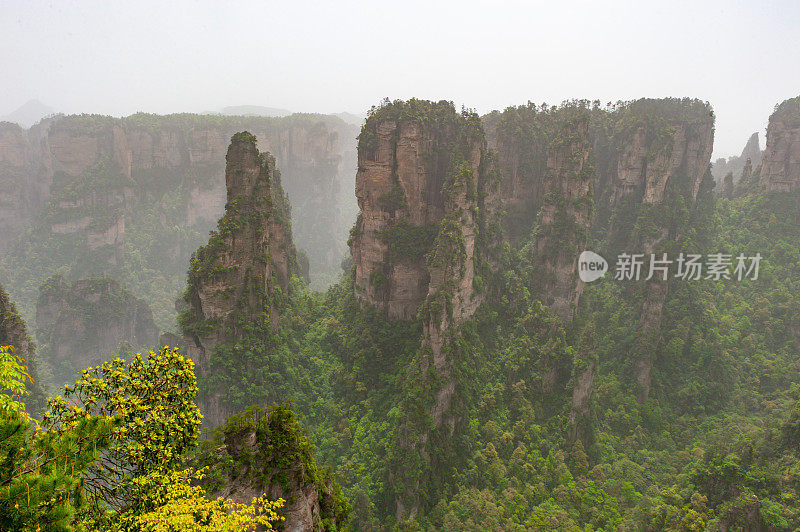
(524, 399)
(556, 421)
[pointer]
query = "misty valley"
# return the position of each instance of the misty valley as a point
(410, 321)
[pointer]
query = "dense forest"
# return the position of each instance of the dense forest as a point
(459, 374)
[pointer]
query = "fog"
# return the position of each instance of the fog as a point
(163, 57)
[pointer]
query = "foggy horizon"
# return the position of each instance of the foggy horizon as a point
(85, 57)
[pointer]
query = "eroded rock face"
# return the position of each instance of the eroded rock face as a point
(780, 167)
(423, 187)
(565, 216)
(404, 168)
(19, 173)
(664, 163)
(236, 274)
(13, 332)
(633, 162)
(83, 324)
(395, 188)
(752, 150)
(655, 155)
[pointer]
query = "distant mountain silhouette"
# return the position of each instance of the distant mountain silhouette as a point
(28, 114)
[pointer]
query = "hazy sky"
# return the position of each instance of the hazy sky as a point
(118, 57)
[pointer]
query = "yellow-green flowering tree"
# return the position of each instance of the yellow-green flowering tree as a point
(180, 506)
(151, 402)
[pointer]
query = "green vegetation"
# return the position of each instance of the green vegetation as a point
(408, 241)
(109, 455)
(714, 446)
(264, 447)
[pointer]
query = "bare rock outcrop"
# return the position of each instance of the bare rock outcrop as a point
(416, 184)
(752, 150)
(780, 166)
(246, 261)
(425, 193)
(421, 177)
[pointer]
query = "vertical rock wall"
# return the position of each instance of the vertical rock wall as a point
(780, 167)
(235, 276)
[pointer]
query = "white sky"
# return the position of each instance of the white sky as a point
(117, 57)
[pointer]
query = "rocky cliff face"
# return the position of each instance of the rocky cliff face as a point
(422, 186)
(665, 148)
(246, 264)
(84, 323)
(640, 150)
(20, 191)
(416, 184)
(548, 184)
(565, 215)
(421, 177)
(101, 188)
(780, 167)
(13, 332)
(752, 150)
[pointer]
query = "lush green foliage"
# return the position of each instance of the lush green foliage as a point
(265, 448)
(152, 400)
(41, 472)
(112, 460)
(715, 442)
